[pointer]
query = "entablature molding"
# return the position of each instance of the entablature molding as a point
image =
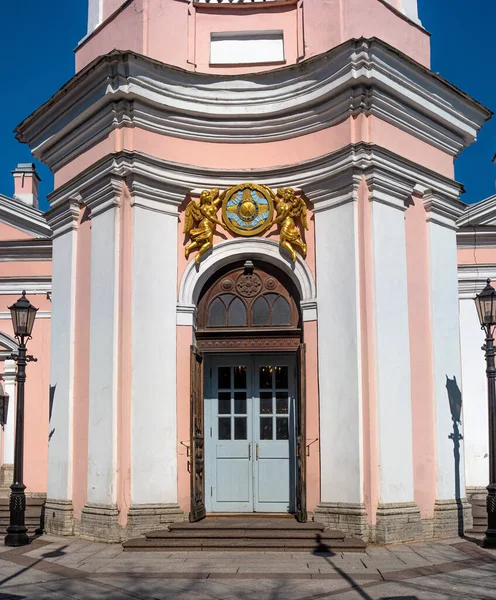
(480, 213)
(23, 217)
(471, 236)
(26, 250)
(441, 209)
(472, 279)
(63, 217)
(361, 76)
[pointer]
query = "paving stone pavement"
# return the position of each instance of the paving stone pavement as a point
(72, 569)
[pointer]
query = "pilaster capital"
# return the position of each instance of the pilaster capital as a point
(388, 188)
(63, 218)
(441, 209)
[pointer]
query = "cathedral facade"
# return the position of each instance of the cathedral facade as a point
(255, 284)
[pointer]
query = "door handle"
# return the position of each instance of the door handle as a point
(249, 451)
(257, 451)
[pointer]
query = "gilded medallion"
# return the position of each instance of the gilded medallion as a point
(248, 209)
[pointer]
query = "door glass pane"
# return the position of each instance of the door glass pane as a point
(282, 428)
(224, 376)
(240, 429)
(224, 428)
(266, 377)
(240, 403)
(281, 377)
(281, 403)
(239, 377)
(265, 403)
(224, 403)
(265, 428)
(237, 313)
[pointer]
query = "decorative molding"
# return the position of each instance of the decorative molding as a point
(442, 210)
(472, 279)
(31, 285)
(361, 76)
(37, 249)
(481, 213)
(223, 253)
(8, 345)
(41, 314)
(476, 237)
(21, 216)
(64, 218)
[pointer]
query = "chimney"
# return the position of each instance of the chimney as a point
(26, 182)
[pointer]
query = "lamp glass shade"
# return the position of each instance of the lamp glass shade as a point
(23, 314)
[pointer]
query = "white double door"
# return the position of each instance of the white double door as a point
(250, 433)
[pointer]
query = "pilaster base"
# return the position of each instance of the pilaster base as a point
(148, 517)
(397, 522)
(6, 480)
(99, 522)
(478, 492)
(59, 517)
(349, 518)
(452, 517)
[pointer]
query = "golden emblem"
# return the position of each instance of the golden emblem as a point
(204, 212)
(248, 209)
(289, 208)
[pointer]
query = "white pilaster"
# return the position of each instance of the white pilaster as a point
(441, 216)
(64, 224)
(95, 10)
(392, 348)
(9, 379)
(153, 391)
(104, 355)
(336, 234)
(475, 414)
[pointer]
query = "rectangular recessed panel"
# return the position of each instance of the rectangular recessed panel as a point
(273, 480)
(233, 478)
(246, 47)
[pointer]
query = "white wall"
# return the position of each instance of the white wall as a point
(104, 355)
(446, 352)
(9, 378)
(475, 410)
(408, 7)
(392, 355)
(62, 366)
(153, 400)
(336, 237)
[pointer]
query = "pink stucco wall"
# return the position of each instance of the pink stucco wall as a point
(7, 232)
(421, 360)
(178, 33)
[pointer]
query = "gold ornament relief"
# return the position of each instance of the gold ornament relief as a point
(247, 210)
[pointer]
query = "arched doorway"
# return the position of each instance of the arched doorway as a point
(248, 400)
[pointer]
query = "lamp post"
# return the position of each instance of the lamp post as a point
(486, 309)
(23, 314)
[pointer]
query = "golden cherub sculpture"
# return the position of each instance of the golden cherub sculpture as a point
(289, 208)
(204, 212)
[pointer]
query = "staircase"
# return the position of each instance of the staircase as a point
(263, 534)
(33, 517)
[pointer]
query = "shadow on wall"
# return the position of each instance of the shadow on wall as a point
(455, 403)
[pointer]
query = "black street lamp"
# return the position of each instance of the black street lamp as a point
(23, 314)
(486, 309)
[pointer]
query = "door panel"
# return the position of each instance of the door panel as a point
(197, 462)
(250, 424)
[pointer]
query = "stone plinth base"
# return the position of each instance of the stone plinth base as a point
(6, 476)
(99, 522)
(478, 492)
(452, 517)
(148, 517)
(349, 518)
(397, 522)
(59, 517)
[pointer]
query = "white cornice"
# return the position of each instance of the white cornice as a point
(31, 285)
(23, 217)
(359, 77)
(481, 213)
(476, 237)
(472, 279)
(26, 250)
(327, 181)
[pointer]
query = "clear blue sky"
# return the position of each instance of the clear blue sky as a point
(37, 40)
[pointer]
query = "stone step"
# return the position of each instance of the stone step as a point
(228, 523)
(243, 534)
(261, 545)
